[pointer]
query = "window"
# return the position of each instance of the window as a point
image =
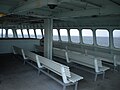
(87, 35)
(74, 34)
(116, 38)
(25, 33)
(19, 33)
(64, 34)
(10, 33)
(55, 35)
(43, 31)
(31, 32)
(4, 33)
(102, 36)
(38, 33)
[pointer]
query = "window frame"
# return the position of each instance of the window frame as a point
(61, 36)
(103, 29)
(73, 35)
(83, 36)
(113, 38)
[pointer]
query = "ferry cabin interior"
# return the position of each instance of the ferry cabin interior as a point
(75, 33)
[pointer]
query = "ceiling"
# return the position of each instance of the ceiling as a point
(34, 11)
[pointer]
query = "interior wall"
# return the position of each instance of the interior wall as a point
(27, 44)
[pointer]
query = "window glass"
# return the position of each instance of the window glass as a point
(19, 33)
(64, 34)
(31, 32)
(55, 35)
(43, 30)
(4, 33)
(116, 38)
(25, 33)
(38, 33)
(102, 36)
(87, 35)
(74, 34)
(10, 33)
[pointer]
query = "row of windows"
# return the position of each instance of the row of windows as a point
(86, 35)
(24, 33)
(102, 36)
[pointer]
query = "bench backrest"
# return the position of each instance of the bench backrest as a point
(86, 60)
(30, 55)
(59, 53)
(57, 68)
(108, 57)
(17, 50)
(39, 48)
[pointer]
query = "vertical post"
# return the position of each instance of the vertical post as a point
(27, 27)
(111, 38)
(80, 33)
(94, 37)
(14, 32)
(6, 34)
(59, 35)
(34, 28)
(48, 38)
(69, 38)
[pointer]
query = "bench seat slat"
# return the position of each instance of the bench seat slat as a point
(103, 68)
(74, 77)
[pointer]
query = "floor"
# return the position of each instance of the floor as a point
(14, 75)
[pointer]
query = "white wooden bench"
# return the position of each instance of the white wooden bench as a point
(82, 59)
(87, 60)
(68, 78)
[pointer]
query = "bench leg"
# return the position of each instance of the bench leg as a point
(103, 75)
(64, 87)
(39, 72)
(24, 62)
(95, 76)
(116, 68)
(76, 84)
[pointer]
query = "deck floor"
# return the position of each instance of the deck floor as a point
(14, 75)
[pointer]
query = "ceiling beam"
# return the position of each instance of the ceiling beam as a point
(91, 3)
(82, 2)
(88, 12)
(29, 6)
(115, 2)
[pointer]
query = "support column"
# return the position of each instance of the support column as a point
(48, 38)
